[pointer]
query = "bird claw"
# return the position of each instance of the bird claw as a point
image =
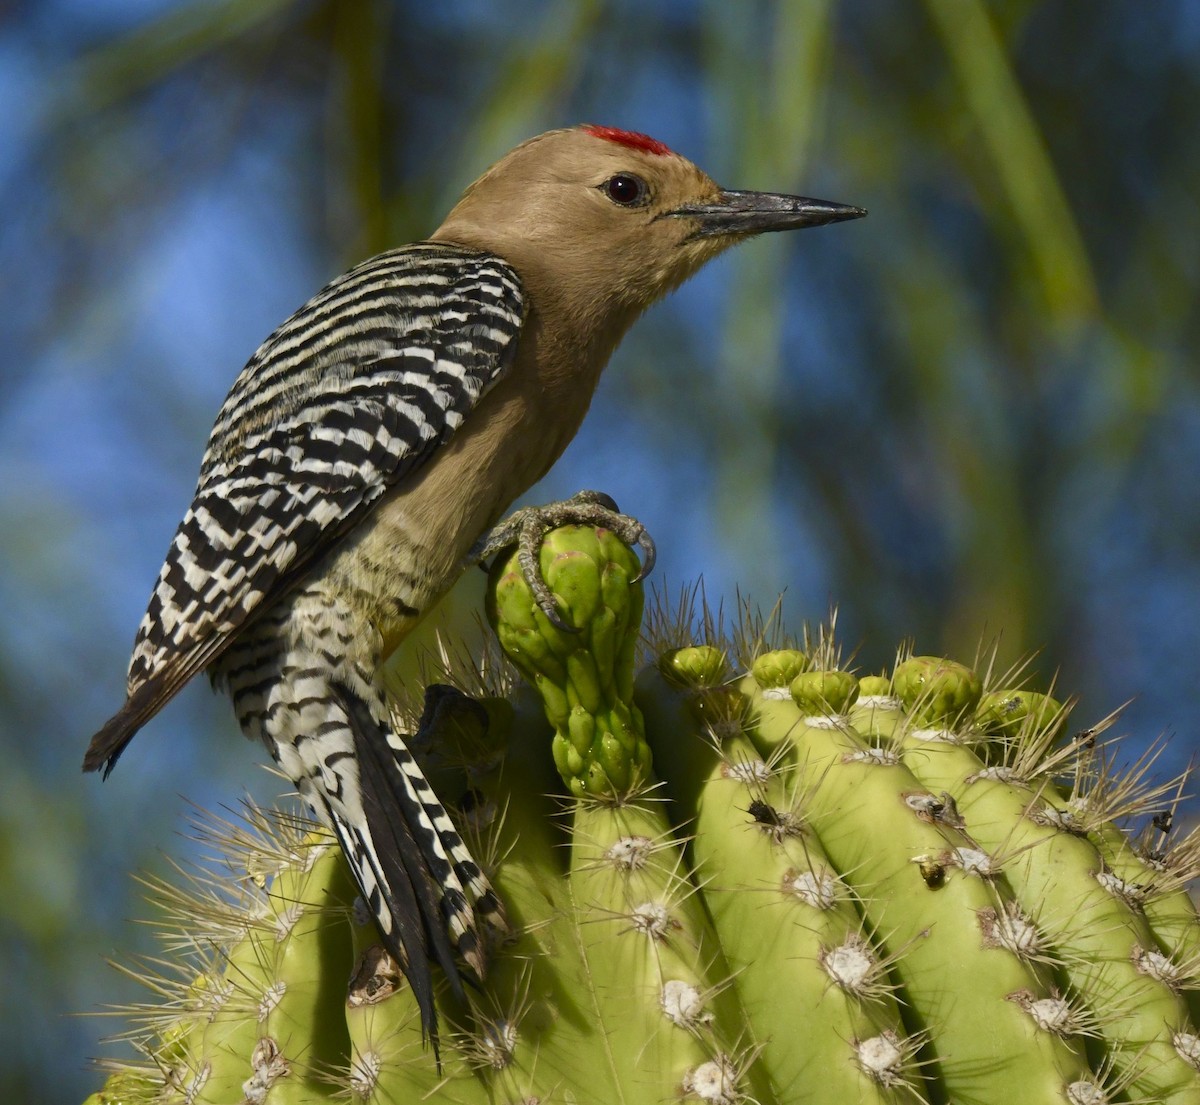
(527, 527)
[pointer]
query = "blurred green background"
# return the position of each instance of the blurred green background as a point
(972, 415)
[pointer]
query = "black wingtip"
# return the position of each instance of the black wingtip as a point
(108, 744)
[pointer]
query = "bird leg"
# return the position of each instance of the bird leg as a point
(526, 528)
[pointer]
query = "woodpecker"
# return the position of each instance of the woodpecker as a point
(366, 453)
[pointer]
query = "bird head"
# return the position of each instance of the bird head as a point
(607, 221)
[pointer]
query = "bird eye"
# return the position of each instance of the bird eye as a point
(626, 189)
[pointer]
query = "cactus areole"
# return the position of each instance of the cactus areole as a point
(733, 873)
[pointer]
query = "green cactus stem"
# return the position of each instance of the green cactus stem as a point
(909, 888)
(923, 888)
(1100, 941)
(788, 925)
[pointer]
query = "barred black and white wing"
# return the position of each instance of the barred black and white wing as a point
(345, 399)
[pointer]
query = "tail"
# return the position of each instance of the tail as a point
(416, 875)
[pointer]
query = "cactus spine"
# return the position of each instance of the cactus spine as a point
(768, 881)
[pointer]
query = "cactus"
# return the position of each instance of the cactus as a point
(763, 879)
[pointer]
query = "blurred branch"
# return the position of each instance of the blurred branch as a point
(356, 126)
(1020, 159)
(522, 99)
(771, 124)
(149, 54)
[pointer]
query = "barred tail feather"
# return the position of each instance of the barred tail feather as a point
(401, 866)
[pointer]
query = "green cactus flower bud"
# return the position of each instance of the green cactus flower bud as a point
(126, 1088)
(584, 677)
(1006, 712)
(874, 686)
(936, 692)
(778, 667)
(824, 693)
(694, 666)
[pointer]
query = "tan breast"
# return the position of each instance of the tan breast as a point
(412, 548)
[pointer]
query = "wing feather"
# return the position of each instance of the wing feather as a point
(348, 397)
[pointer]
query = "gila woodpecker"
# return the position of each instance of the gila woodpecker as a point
(368, 449)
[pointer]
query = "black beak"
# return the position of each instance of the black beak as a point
(758, 212)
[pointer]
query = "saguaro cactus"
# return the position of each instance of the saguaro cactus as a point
(756, 877)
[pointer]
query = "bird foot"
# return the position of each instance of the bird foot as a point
(526, 528)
